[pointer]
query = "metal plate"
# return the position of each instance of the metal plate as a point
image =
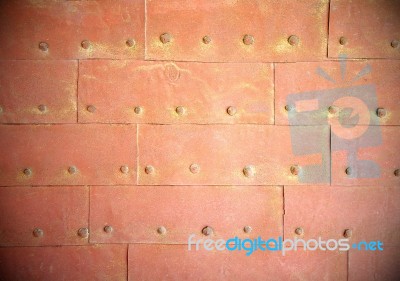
(372, 213)
(368, 26)
(38, 91)
(226, 23)
(223, 152)
(59, 211)
(374, 265)
(96, 151)
(64, 263)
(205, 90)
(372, 157)
(136, 213)
(64, 25)
(176, 262)
(363, 86)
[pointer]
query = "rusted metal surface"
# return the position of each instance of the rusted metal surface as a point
(106, 262)
(368, 213)
(34, 216)
(380, 76)
(157, 92)
(169, 214)
(38, 91)
(72, 29)
(175, 262)
(364, 29)
(45, 155)
(240, 155)
(374, 265)
(251, 31)
(372, 158)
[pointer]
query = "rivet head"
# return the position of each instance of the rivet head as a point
(130, 42)
(395, 44)
(293, 40)
(85, 44)
(165, 38)
(247, 229)
(299, 231)
(1, 110)
(91, 108)
(207, 231)
(27, 172)
(381, 112)
(289, 107)
(248, 39)
(83, 232)
(348, 171)
(194, 168)
(37, 232)
(42, 108)
(231, 110)
(295, 170)
(108, 229)
(397, 172)
(124, 169)
(43, 46)
(72, 170)
(347, 233)
(180, 110)
(138, 110)
(206, 39)
(249, 171)
(333, 109)
(161, 230)
(343, 41)
(149, 169)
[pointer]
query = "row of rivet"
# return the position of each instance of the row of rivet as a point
(85, 44)
(82, 232)
(347, 233)
(349, 172)
(394, 44)
(73, 170)
(380, 112)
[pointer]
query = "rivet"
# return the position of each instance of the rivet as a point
(247, 229)
(42, 108)
(43, 46)
(248, 39)
(395, 44)
(130, 42)
(249, 171)
(381, 112)
(343, 41)
(333, 109)
(138, 110)
(165, 38)
(180, 110)
(27, 172)
(348, 171)
(72, 170)
(194, 168)
(85, 44)
(293, 40)
(108, 229)
(207, 231)
(83, 232)
(231, 110)
(397, 173)
(124, 169)
(347, 233)
(161, 230)
(1, 109)
(91, 108)
(206, 39)
(289, 107)
(149, 169)
(295, 170)
(299, 231)
(37, 232)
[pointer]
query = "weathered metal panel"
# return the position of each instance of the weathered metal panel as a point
(237, 30)
(72, 29)
(45, 215)
(370, 152)
(38, 91)
(175, 262)
(170, 214)
(166, 92)
(364, 29)
(370, 213)
(67, 154)
(232, 155)
(341, 84)
(84, 263)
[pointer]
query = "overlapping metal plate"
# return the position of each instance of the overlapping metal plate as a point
(110, 29)
(371, 213)
(150, 92)
(224, 25)
(136, 213)
(67, 154)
